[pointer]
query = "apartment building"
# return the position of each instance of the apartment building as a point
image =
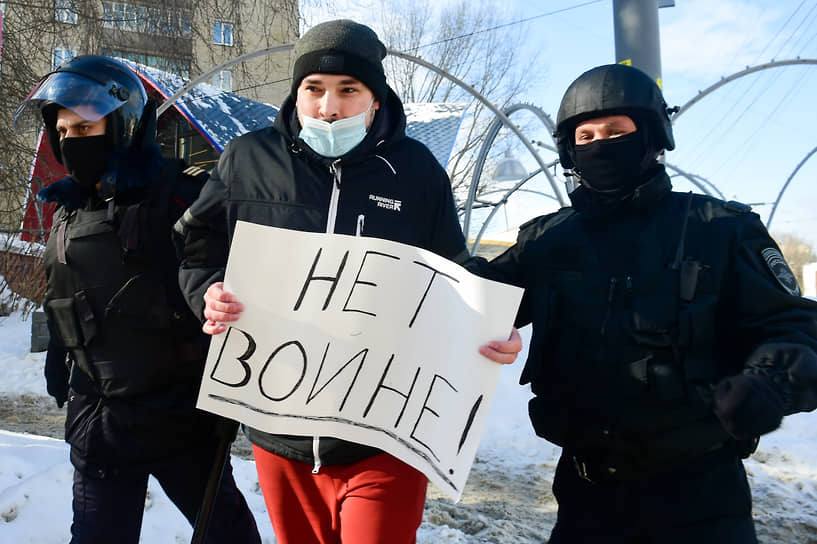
(183, 37)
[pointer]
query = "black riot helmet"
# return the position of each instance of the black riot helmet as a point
(93, 87)
(612, 89)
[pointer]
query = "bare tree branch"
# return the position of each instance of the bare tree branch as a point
(451, 38)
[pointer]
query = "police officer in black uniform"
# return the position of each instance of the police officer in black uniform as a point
(134, 350)
(668, 331)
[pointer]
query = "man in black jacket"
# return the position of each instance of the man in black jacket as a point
(668, 331)
(135, 351)
(338, 161)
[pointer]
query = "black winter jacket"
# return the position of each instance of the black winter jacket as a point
(114, 305)
(389, 187)
(638, 313)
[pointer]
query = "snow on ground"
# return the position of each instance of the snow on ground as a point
(507, 499)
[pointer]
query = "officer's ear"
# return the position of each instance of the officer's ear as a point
(145, 134)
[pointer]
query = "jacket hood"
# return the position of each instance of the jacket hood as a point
(388, 127)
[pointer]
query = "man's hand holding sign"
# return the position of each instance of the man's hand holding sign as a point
(364, 339)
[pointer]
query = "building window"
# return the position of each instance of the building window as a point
(186, 21)
(152, 20)
(64, 12)
(179, 67)
(63, 55)
(223, 33)
(223, 80)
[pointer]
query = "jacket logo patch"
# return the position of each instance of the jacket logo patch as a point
(387, 203)
(780, 270)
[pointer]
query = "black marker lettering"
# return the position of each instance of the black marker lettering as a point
(241, 359)
(427, 409)
(358, 281)
(428, 288)
(312, 393)
(278, 350)
(392, 389)
(468, 423)
(312, 277)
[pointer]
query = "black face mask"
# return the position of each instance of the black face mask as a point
(613, 165)
(85, 158)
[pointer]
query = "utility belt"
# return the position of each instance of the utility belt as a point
(611, 470)
(642, 461)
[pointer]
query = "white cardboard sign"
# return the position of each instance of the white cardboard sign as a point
(363, 339)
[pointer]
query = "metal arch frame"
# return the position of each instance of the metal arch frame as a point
(286, 47)
(750, 70)
(504, 200)
(786, 185)
(696, 181)
(490, 136)
(737, 75)
(206, 75)
(519, 190)
(501, 116)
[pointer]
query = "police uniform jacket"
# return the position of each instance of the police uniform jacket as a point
(639, 309)
(389, 186)
(136, 352)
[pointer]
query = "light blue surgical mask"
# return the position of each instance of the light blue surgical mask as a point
(333, 139)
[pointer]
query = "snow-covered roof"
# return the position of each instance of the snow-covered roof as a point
(220, 116)
(436, 125)
(13, 244)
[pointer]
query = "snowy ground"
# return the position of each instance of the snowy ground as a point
(507, 499)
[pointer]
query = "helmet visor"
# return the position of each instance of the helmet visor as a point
(88, 98)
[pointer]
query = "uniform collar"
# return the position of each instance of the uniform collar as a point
(643, 199)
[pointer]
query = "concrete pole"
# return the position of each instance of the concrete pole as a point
(635, 24)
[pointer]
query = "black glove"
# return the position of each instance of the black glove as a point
(747, 406)
(803, 377)
(56, 372)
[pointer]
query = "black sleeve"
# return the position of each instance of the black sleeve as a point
(56, 368)
(779, 324)
(201, 239)
(514, 265)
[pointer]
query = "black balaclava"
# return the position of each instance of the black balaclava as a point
(616, 166)
(85, 158)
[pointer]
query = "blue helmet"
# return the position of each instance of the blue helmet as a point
(92, 87)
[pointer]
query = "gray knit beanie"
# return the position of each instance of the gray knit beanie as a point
(341, 47)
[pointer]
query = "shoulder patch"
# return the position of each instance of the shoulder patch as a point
(780, 270)
(194, 171)
(737, 207)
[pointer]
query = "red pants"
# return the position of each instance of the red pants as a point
(379, 499)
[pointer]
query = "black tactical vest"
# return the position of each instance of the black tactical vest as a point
(624, 322)
(112, 293)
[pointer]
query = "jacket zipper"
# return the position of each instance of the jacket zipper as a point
(335, 170)
(332, 216)
(316, 454)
